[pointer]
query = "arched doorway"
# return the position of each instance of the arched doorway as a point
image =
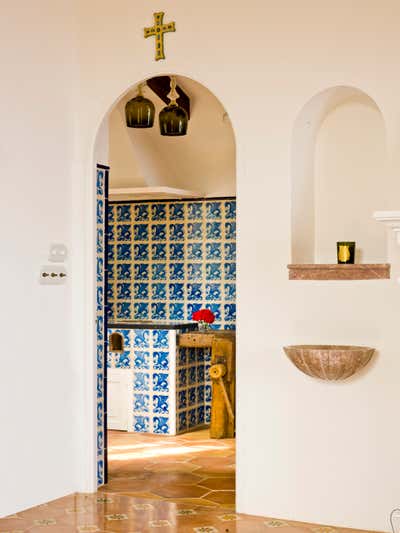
(166, 245)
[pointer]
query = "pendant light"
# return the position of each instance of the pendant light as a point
(139, 111)
(173, 118)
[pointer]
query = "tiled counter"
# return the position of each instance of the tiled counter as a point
(171, 392)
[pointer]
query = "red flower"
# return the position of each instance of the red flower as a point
(204, 315)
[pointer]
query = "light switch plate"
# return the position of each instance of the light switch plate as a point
(53, 275)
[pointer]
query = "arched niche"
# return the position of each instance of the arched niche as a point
(116, 343)
(338, 177)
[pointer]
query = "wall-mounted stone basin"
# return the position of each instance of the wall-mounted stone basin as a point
(329, 362)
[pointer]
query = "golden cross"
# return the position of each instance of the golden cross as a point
(158, 31)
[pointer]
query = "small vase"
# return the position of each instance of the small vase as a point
(203, 326)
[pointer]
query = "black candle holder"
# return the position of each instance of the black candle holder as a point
(345, 252)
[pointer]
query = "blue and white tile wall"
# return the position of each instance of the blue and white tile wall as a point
(171, 393)
(168, 259)
(101, 325)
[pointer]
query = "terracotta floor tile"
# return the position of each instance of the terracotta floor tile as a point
(219, 483)
(222, 496)
(180, 491)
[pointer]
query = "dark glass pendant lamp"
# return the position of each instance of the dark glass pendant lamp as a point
(139, 111)
(173, 118)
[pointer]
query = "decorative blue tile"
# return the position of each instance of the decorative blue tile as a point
(160, 404)
(124, 291)
(100, 413)
(194, 291)
(100, 356)
(141, 381)
(176, 271)
(141, 403)
(159, 271)
(176, 251)
(207, 393)
(200, 414)
(230, 312)
(124, 232)
(230, 291)
(192, 414)
(124, 252)
(213, 250)
(111, 214)
(213, 271)
(124, 310)
(191, 308)
(192, 375)
(160, 339)
(160, 360)
(200, 374)
(123, 360)
(230, 230)
(230, 251)
(124, 271)
(100, 472)
(110, 253)
(100, 212)
(195, 271)
(141, 252)
(182, 356)
(141, 212)
(200, 354)
(99, 241)
(141, 338)
(100, 269)
(160, 382)
(142, 271)
(141, 424)
(191, 352)
(207, 414)
(99, 298)
(182, 421)
(141, 360)
(231, 327)
(141, 311)
(176, 232)
(123, 213)
(182, 377)
(158, 232)
(230, 270)
(176, 311)
(158, 252)
(192, 396)
(110, 292)
(158, 212)
(213, 291)
(194, 250)
(195, 230)
(213, 230)
(207, 356)
(110, 233)
(100, 443)
(200, 394)
(176, 291)
(158, 291)
(195, 210)
(125, 334)
(216, 309)
(230, 209)
(160, 425)
(158, 311)
(100, 328)
(182, 399)
(141, 291)
(141, 232)
(176, 211)
(213, 210)
(100, 385)
(100, 183)
(110, 311)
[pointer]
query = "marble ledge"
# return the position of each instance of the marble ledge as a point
(339, 272)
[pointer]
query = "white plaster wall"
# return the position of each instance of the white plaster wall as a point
(306, 450)
(350, 181)
(39, 439)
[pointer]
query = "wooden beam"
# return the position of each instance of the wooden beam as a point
(161, 86)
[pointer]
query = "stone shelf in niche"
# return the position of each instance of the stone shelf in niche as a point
(339, 272)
